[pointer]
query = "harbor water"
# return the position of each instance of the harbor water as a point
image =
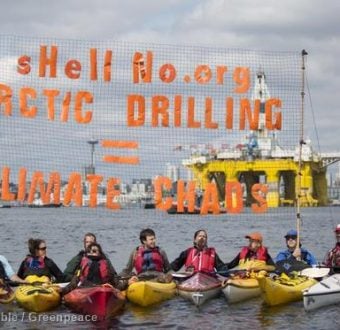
(118, 233)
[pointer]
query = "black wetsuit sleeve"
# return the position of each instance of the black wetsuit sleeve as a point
(178, 263)
(21, 270)
(71, 286)
(111, 268)
(270, 260)
(234, 262)
(118, 282)
(55, 271)
(219, 264)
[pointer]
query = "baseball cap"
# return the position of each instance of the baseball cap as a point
(256, 236)
(291, 232)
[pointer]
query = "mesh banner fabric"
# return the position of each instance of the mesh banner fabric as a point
(112, 124)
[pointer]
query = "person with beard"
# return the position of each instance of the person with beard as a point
(95, 269)
(148, 260)
(73, 265)
(332, 258)
(199, 257)
(254, 256)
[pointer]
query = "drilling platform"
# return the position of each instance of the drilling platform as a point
(262, 160)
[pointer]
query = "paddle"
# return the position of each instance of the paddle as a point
(142, 277)
(182, 274)
(315, 272)
(290, 265)
(226, 273)
(267, 268)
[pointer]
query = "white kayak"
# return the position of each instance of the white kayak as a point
(324, 293)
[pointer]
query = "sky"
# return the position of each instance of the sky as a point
(243, 24)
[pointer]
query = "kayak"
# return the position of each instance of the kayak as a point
(199, 288)
(146, 293)
(7, 294)
(101, 301)
(284, 289)
(38, 297)
(241, 289)
(324, 293)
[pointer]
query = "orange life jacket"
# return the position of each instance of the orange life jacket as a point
(148, 259)
(201, 261)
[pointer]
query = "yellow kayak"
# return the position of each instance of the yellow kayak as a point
(146, 293)
(37, 297)
(284, 289)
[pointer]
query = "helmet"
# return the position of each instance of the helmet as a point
(337, 229)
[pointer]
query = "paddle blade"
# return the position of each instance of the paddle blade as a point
(315, 272)
(288, 266)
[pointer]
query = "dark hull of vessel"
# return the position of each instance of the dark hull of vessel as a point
(45, 205)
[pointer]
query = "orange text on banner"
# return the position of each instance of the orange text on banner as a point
(185, 112)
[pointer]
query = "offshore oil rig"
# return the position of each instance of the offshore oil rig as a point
(262, 160)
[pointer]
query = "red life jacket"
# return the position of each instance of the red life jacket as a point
(103, 266)
(148, 259)
(260, 254)
(202, 261)
(334, 257)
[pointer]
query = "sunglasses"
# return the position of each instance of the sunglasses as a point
(94, 251)
(291, 237)
(42, 248)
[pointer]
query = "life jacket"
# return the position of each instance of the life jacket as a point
(334, 256)
(201, 261)
(36, 266)
(249, 258)
(99, 274)
(148, 259)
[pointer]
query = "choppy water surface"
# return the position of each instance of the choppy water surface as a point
(118, 233)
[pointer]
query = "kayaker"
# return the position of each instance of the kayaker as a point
(7, 272)
(148, 260)
(294, 258)
(255, 256)
(37, 263)
(332, 258)
(199, 257)
(74, 264)
(95, 269)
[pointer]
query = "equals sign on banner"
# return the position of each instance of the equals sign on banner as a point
(131, 160)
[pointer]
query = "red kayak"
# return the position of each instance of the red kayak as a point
(199, 288)
(101, 301)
